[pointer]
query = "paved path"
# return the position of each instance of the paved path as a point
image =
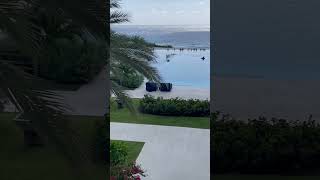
(170, 153)
(90, 99)
(184, 92)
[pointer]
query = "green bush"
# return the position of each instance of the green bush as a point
(127, 77)
(174, 107)
(72, 60)
(118, 153)
(264, 146)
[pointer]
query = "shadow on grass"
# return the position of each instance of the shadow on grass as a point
(21, 163)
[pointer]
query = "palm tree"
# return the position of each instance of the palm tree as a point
(20, 23)
(44, 109)
(133, 52)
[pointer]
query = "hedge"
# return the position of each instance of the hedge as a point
(264, 146)
(174, 107)
(127, 77)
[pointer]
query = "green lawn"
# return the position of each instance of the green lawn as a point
(125, 116)
(263, 177)
(18, 162)
(134, 149)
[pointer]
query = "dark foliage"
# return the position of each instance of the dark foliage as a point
(118, 153)
(174, 107)
(264, 146)
(101, 145)
(127, 77)
(72, 60)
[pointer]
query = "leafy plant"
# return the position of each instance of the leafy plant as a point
(174, 107)
(119, 165)
(22, 25)
(75, 60)
(128, 77)
(130, 172)
(264, 146)
(118, 153)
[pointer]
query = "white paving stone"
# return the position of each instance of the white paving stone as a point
(171, 153)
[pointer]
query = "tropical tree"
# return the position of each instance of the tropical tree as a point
(19, 21)
(31, 35)
(131, 51)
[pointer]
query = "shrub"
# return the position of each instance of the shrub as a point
(127, 77)
(72, 60)
(264, 146)
(118, 153)
(174, 107)
(129, 172)
(119, 165)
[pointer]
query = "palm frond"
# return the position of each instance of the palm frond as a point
(115, 4)
(122, 96)
(16, 21)
(117, 17)
(46, 111)
(135, 53)
(89, 14)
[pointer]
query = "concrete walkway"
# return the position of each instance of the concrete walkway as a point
(90, 99)
(170, 153)
(184, 92)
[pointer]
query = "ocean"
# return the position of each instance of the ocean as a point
(182, 36)
(186, 67)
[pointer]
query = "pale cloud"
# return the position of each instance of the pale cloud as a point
(164, 12)
(154, 11)
(167, 12)
(195, 12)
(180, 12)
(159, 11)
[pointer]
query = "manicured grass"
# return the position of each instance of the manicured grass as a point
(263, 177)
(19, 162)
(125, 116)
(134, 149)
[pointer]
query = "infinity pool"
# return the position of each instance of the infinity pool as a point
(184, 68)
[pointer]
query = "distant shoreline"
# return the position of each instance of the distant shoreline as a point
(154, 45)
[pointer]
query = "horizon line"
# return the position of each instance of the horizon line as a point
(160, 24)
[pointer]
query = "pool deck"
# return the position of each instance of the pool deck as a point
(184, 92)
(90, 99)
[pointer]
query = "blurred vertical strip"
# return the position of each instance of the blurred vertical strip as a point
(108, 84)
(212, 54)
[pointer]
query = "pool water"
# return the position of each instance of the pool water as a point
(184, 68)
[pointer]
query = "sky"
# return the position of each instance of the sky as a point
(167, 12)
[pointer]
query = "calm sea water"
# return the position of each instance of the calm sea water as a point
(182, 68)
(187, 36)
